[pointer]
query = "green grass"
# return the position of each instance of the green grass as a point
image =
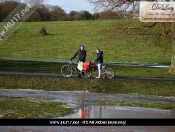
(30, 66)
(13, 107)
(62, 42)
(65, 38)
(164, 106)
(91, 85)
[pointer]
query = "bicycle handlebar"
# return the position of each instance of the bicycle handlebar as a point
(70, 60)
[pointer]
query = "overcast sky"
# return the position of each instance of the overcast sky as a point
(69, 5)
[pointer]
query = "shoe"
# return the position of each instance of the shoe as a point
(104, 77)
(97, 77)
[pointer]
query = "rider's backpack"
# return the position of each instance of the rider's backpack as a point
(87, 66)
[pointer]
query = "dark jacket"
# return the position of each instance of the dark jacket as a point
(81, 55)
(99, 58)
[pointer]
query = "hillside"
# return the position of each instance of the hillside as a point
(65, 37)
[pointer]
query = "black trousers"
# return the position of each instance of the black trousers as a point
(79, 73)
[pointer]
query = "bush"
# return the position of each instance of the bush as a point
(43, 31)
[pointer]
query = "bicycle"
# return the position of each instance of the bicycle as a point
(67, 70)
(108, 72)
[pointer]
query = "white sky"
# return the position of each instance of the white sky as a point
(69, 5)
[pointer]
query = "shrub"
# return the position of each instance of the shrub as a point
(43, 31)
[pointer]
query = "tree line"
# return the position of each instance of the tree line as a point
(56, 13)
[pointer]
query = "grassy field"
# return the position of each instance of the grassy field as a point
(92, 85)
(65, 37)
(20, 108)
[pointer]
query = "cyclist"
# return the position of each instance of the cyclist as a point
(81, 56)
(99, 60)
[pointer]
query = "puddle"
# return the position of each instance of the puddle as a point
(78, 99)
(84, 109)
(120, 112)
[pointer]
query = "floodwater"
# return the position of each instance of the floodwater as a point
(85, 109)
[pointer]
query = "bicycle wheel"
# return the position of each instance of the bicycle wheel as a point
(94, 72)
(86, 74)
(66, 71)
(109, 72)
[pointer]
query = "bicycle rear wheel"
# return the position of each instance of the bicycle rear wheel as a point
(94, 72)
(86, 74)
(109, 72)
(66, 71)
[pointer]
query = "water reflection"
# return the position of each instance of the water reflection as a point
(85, 109)
(100, 111)
(120, 112)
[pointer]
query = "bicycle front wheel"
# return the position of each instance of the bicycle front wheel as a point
(109, 72)
(66, 71)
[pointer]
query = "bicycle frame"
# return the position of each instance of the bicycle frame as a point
(71, 65)
(107, 72)
(103, 67)
(70, 68)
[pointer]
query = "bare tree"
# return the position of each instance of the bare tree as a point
(147, 30)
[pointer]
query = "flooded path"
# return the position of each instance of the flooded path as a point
(79, 97)
(85, 109)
